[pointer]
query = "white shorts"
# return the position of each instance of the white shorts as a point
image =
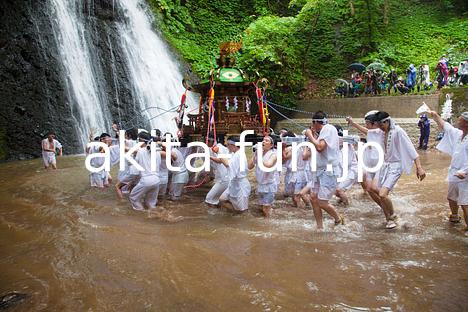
(216, 191)
(176, 190)
(458, 192)
(49, 159)
(266, 198)
(388, 175)
(99, 179)
(240, 203)
(298, 186)
(346, 184)
(325, 186)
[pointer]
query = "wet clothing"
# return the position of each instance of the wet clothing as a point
(453, 144)
(238, 190)
(399, 157)
(178, 178)
(371, 156)
(130, 174)
(267, 183)
(325, 182)
(298, 179)
(49, 157)
(221, 177)
(352, 172)
(147, 188)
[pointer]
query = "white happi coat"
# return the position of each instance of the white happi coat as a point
(220, 170)
(331, 154)
(148, 187)
(181, 176)
(371, 156)
(267, 182)
(130, 173)
(399, 149)
(453, 145)
(352, 163)
(300, 176)
(239, 185)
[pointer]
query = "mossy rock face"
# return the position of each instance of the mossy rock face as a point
(3, 145)
(459, 98)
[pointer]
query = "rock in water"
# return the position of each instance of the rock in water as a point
(11, 299)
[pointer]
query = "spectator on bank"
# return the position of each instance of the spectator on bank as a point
(393, 81)
(368, 82)
(356, 84)
(411, 77)
(424, 126)
(401, 86)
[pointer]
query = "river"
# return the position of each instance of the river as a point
(72, 248)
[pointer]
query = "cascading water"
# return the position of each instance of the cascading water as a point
(82, 87)
(155, 74)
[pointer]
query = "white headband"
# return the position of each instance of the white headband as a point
(323, 120)
(231, 142)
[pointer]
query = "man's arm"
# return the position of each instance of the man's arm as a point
(355, 125)
(319, 145)
(420, 173)
(270, 162)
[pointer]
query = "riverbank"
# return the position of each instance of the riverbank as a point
(75, 248)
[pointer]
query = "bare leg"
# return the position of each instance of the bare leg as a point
(465, 214)
(325, 205)
(342, 196)
(367, 186)
(317, 211)
(453, 207)
(387, 204)
(299, 201)
(305, 196)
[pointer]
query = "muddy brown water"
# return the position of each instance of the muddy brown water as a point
(73, 248)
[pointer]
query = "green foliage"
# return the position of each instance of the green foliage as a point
(293, 44)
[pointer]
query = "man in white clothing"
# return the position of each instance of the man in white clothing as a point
(220, 170)
(49, 148)
(455, 143)
(146, 190)
(399, 157)
(325, 139)
(238, 190)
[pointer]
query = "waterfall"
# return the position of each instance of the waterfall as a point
(155, 74)
(88, 101)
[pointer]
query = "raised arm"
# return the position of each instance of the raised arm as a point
(355, 125)
(440, 122)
